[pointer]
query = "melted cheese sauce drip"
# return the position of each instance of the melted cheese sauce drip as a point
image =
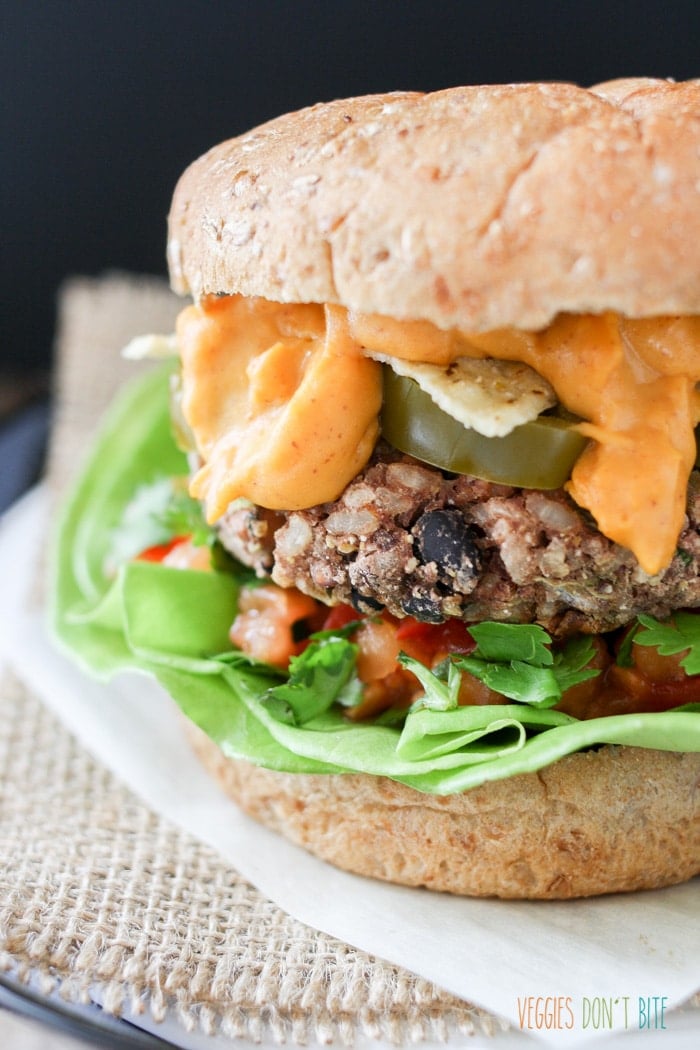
(284, 406)
(281, 402)
(634, 384)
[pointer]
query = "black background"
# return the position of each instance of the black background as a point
(104, 103)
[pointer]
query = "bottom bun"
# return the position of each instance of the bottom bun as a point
(605, 821)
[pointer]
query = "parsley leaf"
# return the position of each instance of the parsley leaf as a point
(673, 636)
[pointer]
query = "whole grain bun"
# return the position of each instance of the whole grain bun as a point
(605, 821)
(473, 207)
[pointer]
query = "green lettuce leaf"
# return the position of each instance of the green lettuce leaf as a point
(174, 625)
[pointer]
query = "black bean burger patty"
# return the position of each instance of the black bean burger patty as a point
(405, 537)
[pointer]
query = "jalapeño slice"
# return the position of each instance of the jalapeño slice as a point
(537, 455)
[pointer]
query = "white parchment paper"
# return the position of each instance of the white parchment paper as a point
(613, 964)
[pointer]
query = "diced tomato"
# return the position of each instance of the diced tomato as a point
(653, 683)
(657, 668)
(396, 690)
(381, 638)
(431, 642)
(160, 550)
(378, 650)
(578, 698)
(673, 693)
(627, 690)
(340, 616)
(452, 633)
(189, 555)
(375, 637)
(267, 616)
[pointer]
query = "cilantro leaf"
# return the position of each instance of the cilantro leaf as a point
(162, 510)
(441, 686)
(322, 675)
(141, 524)
(346, 631)
(624, 654)
(159, 511)
(517, 661)
(527, 683)
(236, 658)
(571, 663)
(673, 636)
(184, 516)
(512, 641)
(223, 561)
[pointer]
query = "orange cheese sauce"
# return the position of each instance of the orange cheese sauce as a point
(283, 405)
(281, 402)
(634, 384)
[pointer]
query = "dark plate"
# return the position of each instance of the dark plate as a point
(88, 1023)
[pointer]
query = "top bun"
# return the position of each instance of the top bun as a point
(473, 207)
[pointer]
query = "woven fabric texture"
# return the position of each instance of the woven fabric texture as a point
(95, 889)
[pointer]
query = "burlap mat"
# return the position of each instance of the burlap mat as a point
(95, 889)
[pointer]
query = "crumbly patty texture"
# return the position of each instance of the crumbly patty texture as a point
(405, 537)
(605, 821)
(474, 207)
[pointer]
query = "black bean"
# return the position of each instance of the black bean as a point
(444, 537)
(423, 608)
(364, 603)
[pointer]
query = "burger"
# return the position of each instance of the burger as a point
(435, 400)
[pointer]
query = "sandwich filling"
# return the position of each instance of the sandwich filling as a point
(283, 402)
